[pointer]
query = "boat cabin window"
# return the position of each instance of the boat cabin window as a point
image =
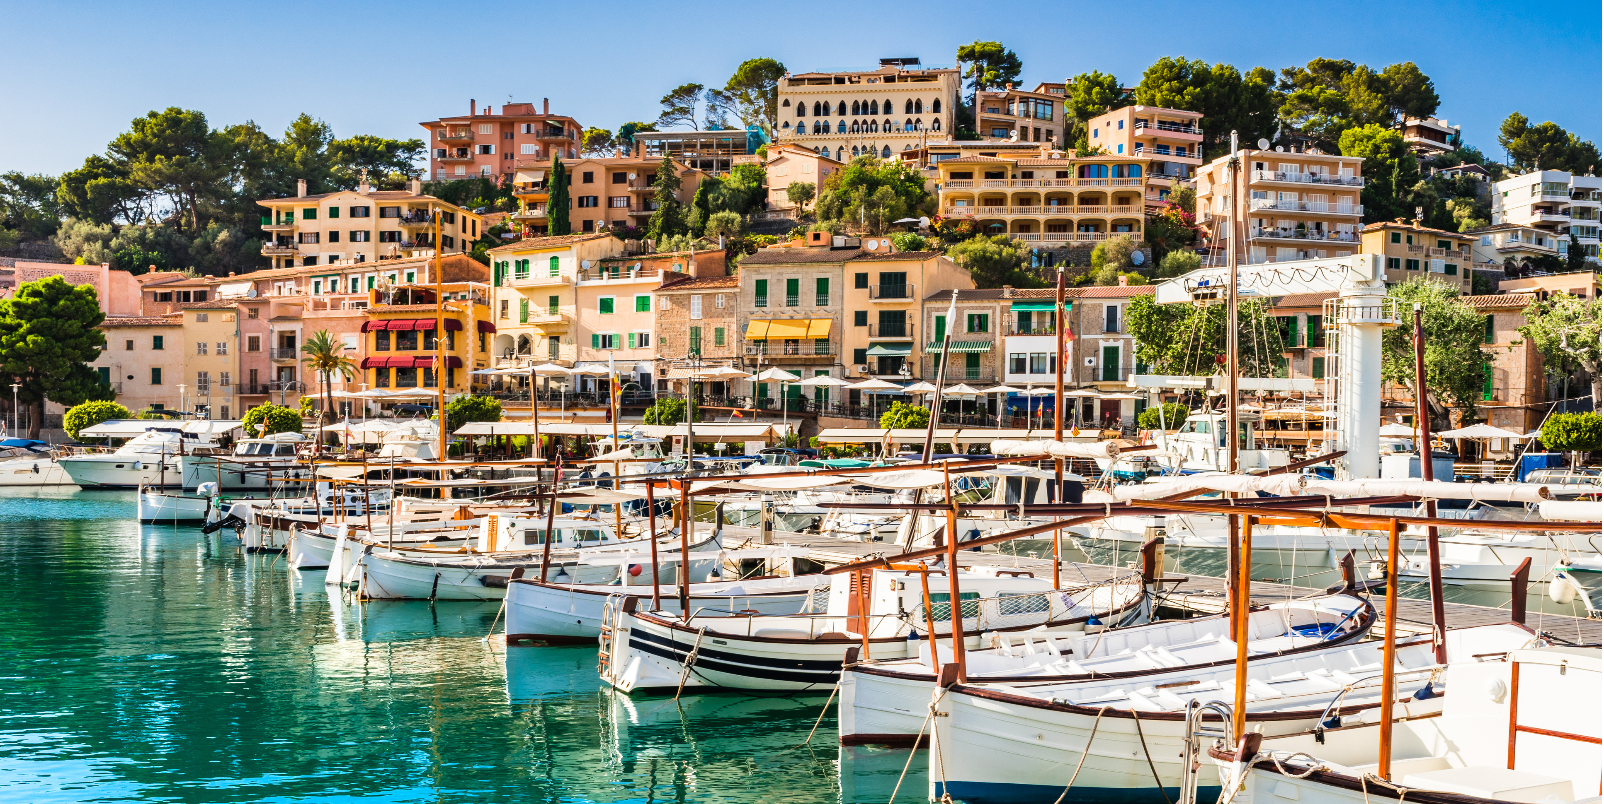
(587, 535)
(941, 606)
(284, 449)
(539, 536)
(1020, 602)
(1196, 427)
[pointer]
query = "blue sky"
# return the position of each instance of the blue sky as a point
(80, 71)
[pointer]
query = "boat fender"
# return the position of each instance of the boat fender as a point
(1427, 693)
(1094, 625)
(1560, 589)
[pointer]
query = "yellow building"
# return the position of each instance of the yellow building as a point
(1413, 250)
(883, 294)
(362, 225)
(211, 361)
(1021, 115)
(1290, 205)
(402, 334)
(881, 112)
(1043, 197)
(536, 301)
(1172, 138)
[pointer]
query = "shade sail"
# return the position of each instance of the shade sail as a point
(757, 329)
(1044, 304)
(819, 328)
(890, 349)
(529, 176)
(232, 290)
(959, 347)
(788, 329)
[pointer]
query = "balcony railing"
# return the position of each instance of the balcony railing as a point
(455, 156)
(890, 331)
(415, 220)
(285, 353)
(1163, 152)
(1309, 178)
(804, 350)
(1067, 237)
(1040, 329)
(619, 274)
(1320, 207)
(968, 184)
(280, 248)
(890, 292)
(1164, 125)
(1303, 234)
(455, 135)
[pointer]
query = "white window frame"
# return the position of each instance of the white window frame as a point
(696, 308)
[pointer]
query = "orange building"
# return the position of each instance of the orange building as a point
(484, 143)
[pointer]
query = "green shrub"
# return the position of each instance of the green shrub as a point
(90, 414)
(278, 420)
(1174, 414)
(902, 415)
(666, 411)
(908, 241)
(466, 409)
(1572, 432)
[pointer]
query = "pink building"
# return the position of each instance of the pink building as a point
(484, 143)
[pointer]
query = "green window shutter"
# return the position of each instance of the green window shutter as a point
(1487, 384)
(860, 280)
(1395, 237)
(941, 327)
(1487, 330)
(523, 311)
(821, 292)
(793, 290)
(860, 357)
(643, 304)
(718, 336)
(551, 305)
(1311, 328)
(1317, 368)
(309, 214)
(696, 340)
(1451, 269)
(554, 267)
(632, 340)
(760, 293)
(605, 305)
(595, 340)
(762, 390)
(1110, 363)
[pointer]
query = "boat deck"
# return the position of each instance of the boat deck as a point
(1200, 594)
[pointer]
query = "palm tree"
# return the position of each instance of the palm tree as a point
(324, 357)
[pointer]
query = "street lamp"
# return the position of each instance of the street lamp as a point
(181, 388)
(14, 387)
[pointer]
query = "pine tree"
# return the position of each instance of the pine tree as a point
(557, 203)
(669, 217)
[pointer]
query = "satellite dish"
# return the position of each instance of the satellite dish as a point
(1279, 149)
(872, 245)
(251, 294)
(637, 266)
(924, 222)
(1264, 144)
(585, 264)
(631, 177)
(1137, 258)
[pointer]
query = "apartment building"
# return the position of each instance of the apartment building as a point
(1412, 250)
(881, 112)
(885, 292)
(211, 361)
(1555, 201)
(1512, 244)
(1300, 318)
(1291, 205)
(604, 193)
(1171, 138)
(495, 145)
(790, 304)
(1515, 390)
(143, 361)
(1428, 136)
(977, 333)
(362, 226)
(1103, 352)
(1021, 115)
(1041, 197)
(403, 330)
(697, 325)
(789, 163)
(712, 152)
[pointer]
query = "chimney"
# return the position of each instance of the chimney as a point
(473, 107)
(1123, 281)
(545, 105)
(415, 186)
(300, 188)
(1008, 291)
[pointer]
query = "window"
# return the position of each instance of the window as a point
(156, 376)
(361, 237)
(588, 201)
(222, 347)
(1394, 263)
(695, 340)
(604, 305)
(860, 356)
(941, 327)
(128, 345)
(821, 292)
(201, 318)
(253, 343)
(587, 177)
(978, 322)
(793, 292)
(389, 212)
(1411, 265)
(620, 177)
(1397, 237)
(156, 343)
(1487, 335)
(334, 236)
(1316, 334)
(551, 305)
(553, 266)
(1487, 384)
(696, 308)
(618, 202)
(361, 212)
(860, 281)
(760, 293)
(718, 301)
(1111, 318)
(255, 312)
(523, 311)
(309, 214)
(643, 303)
(381, 341)
(1018, 363)
(718, 336)
(1451, 269)
(860, 318)
(1317, 368)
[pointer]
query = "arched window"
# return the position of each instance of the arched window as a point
(787, 124)
(841, 127)
(841, 109)
(935, 106)
(817, 110)
(919, 106)
(888, 107)
(907, 107)
(815, 127)
(935, 125)
(854, 108)
(801, 110)
(854, 151)
(888, 126)
(874, 107)
(840, 154)
(787, 103)
(907, 125)
(874, 126)
(854, 128)
(885, 153)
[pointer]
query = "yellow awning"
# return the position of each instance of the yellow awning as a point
(756, 329)
(797, 328)
(819, 328)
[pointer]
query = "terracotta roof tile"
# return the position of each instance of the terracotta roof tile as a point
(547, 242)
(1117, 292)
(703, 283)
(899, 255)
(143, 321)
(968, 295)
(1500, 301)
(802, 256)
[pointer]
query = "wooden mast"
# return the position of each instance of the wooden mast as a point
(955, 606)
(1439, 618)
(1389, 654)
(1058, 420)
(439, 347)
(1239, 623)
(1233, 523)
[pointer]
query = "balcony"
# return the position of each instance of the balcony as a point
(641, 187)
(284, 353)
(1307, 178)
(541, 190)
(1044, 329)
(881, 330)
(548, 318)
(280, 249)
(619, 274)
(534, 278)
(537, 213)
(1167, 126)
(416, 219)
(1272, 233)
(1314, 207)
(281, 225)
(791, 352)
(455, 135)
(459, 155)
(891, 292)
(1162, 152)
(1066, 237)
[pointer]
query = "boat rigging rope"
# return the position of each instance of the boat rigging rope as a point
(1150, 766)
(499, 612)
(930, 712)
(825, 710)
(1366, 777)
(1316, 765)
(1083, 754)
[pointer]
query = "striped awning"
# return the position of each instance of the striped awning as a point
(889, 349)
(788, 329)
(959, 347)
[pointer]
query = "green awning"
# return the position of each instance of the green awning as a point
(890, 349)
(1046, 304)
(959, 347)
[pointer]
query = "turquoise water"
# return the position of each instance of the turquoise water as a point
(152, 663)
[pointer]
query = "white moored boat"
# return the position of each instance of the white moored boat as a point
(155, 506)
(149, 459)
(884, 702)
(1022, 742)
(26, 462)
(655, 651)
(255, 464)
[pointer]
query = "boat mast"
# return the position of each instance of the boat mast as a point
(1439, 618)
(439, 347)
(941, 376)
(1059, 358)
(1234, 573)
(1389, 655)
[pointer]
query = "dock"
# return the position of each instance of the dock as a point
(1202, 594)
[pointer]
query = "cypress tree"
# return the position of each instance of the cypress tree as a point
(669, 218)
(557, 204)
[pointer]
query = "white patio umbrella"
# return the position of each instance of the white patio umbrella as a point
(999, 389)
(823, 381)
(962, 390)
(1480, 432)
(1397, 431)
(722, 373)
(875, 386)
(919, 388)
(781, 376)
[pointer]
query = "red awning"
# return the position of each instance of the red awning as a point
(389, 362)
(371, 326)
(452, 361)
(486, 326)
(452, 325)
(402, 324)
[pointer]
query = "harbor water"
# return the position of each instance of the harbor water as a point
(153, 663)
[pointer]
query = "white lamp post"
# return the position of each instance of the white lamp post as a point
(14, 388)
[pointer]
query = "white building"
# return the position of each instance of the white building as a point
(1554, 201)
